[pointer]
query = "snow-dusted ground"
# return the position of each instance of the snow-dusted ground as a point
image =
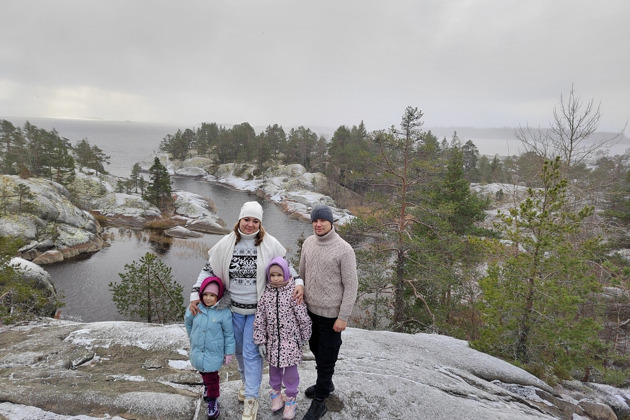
(380, 374)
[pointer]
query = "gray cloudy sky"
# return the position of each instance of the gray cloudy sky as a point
(324, 63)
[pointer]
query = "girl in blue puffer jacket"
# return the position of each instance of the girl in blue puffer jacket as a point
(211, 338)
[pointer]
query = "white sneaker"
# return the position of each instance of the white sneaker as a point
(250, 409)
(241, 392)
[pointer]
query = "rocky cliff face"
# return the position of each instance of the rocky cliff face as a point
(65, 370)
(47, 221)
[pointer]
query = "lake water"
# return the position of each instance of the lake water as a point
(84, 282)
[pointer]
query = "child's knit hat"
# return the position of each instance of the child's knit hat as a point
(212, 285)
(282, 263)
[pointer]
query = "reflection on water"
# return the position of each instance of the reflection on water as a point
(85, 282)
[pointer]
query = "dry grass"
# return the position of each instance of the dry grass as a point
(160, 224)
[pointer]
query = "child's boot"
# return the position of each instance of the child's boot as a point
(277, 400)
(213, 409)
(290, 407)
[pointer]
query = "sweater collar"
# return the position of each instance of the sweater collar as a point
(328, 238)
(250, 236)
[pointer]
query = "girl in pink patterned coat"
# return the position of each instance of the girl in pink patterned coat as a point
(281, 327)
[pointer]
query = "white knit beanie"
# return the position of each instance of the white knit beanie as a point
(251, 209)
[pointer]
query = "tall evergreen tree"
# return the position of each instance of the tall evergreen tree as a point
(135, 176)
(159, 189)
(470, 157)
(36, 148)
(536, 293)
(226, 148)
(12, 148)
(58, 163)
(244, 138)
(91, 157)
(177, 145)
(206, 138)
(445, 256)
(396, 175)
(276, 138)
(301, 146)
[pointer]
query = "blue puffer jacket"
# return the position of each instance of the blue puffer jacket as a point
(211, 335)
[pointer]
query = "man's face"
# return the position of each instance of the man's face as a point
(321, 227)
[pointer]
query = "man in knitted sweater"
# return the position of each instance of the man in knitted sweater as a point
(328, 267)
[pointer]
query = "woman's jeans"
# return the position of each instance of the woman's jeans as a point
(250, 363)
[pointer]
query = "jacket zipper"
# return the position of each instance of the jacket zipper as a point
(278, 321)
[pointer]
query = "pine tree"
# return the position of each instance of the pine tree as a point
(135, 176)
(12, 148)
(396, 174)
(536, 295)
(158, 191)
(446, 254)
(148, 292)
(91, 157)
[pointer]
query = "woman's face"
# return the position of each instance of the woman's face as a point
(249, 225)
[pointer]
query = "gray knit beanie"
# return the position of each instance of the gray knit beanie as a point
(322, 211)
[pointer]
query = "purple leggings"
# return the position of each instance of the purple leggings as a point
(288, 375)
(211, 381)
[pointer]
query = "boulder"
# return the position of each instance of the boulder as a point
(31, 272)
(48, 220)
(49, 257)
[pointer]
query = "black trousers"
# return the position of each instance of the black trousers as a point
(324, 344)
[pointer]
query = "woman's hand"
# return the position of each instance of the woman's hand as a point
(193, 307)
(298, 294)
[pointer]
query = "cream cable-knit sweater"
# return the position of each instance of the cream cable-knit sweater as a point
(328, 267)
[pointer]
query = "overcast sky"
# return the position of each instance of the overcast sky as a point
(324, 63)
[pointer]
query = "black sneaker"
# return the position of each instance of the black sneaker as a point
(310, 391)
(316, 410)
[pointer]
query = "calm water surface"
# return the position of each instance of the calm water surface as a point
(85, 283)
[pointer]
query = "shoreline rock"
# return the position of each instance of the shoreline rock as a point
(48, 221)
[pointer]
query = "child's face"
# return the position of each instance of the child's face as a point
(276, 276)
(209, 299)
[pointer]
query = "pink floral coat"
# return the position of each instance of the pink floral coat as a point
(282, 325)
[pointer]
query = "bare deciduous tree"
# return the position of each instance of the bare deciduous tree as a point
(570, 135)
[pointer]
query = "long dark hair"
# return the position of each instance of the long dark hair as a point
(259, 236)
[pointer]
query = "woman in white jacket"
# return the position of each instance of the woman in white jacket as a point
(240, 259)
